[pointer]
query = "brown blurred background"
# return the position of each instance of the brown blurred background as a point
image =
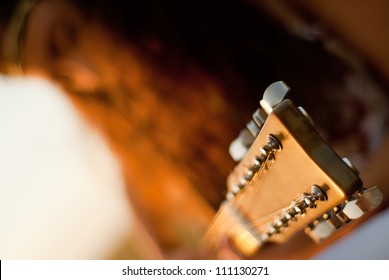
(363, 25)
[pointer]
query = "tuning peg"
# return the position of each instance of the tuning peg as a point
(259, 117)
(273, 95)
(368, 200)
(253, 128)
(320, 231)
(239, 147)
(325, 226)
(353, 209)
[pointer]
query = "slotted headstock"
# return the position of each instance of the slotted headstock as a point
(287, 179)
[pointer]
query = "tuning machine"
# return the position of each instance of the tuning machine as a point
(273, 95)
(354, 208)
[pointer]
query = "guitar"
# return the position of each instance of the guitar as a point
(287, 179)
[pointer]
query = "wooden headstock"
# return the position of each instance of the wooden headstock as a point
(287, 179)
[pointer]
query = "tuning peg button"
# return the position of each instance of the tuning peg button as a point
(321, 231)
(259, 117)
(273, 95)
(239, 147)
(253, 128)
(368, 200)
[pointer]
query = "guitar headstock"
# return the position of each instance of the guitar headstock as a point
(287, 179)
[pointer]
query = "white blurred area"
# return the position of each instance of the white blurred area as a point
(62, 195)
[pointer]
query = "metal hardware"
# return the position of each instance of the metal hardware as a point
(273, 96)
(239, 147)
(367, 200)
(266, 153)
(363, 202)
(297, 208)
